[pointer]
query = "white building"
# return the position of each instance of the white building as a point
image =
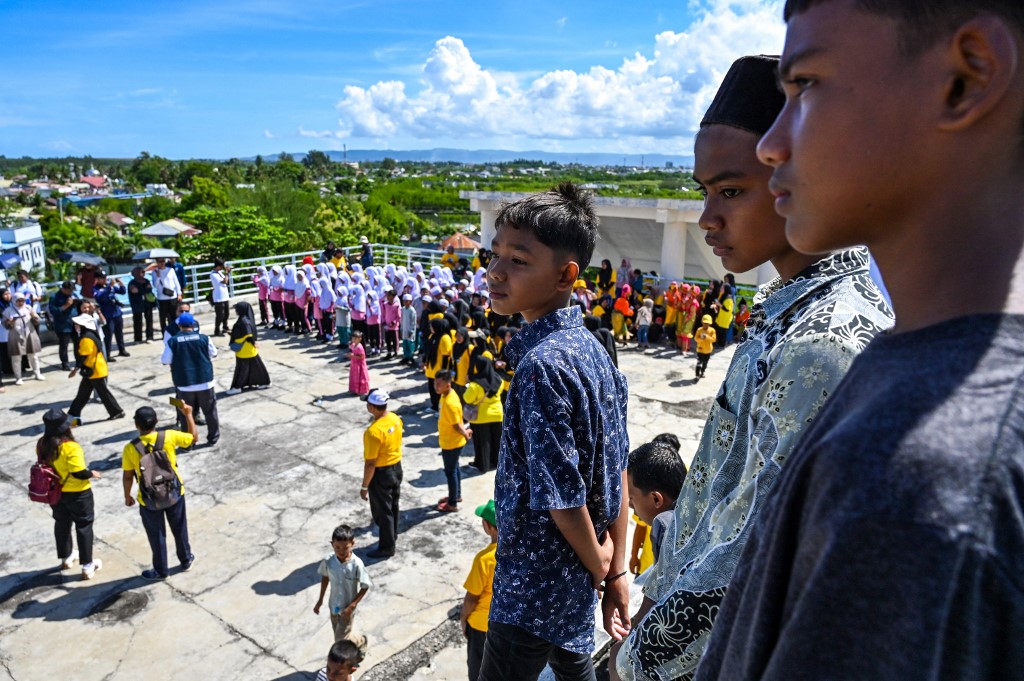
(25, 239)
(655, 234)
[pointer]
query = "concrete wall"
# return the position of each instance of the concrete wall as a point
(655, 234)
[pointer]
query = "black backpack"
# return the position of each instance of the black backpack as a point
(158, 482)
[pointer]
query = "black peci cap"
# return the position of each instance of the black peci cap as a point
(749, 97)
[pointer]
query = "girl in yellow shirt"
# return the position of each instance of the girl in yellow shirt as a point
(57, 447)
(250, 371)
(89, 362)
(437, 356)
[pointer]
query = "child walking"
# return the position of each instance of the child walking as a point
(476, 605)
(358, 372)
(705, 339)
(342, 661)
(345, 573)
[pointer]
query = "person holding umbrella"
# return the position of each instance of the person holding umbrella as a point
(168, 292)
(90, 363)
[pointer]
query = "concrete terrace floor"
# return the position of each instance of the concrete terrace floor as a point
(261, 505)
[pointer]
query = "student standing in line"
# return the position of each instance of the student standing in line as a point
(483, 398)
(452, 436)
(382, 471)
(476, 604)
(891, 545)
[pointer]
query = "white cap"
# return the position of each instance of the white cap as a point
(407, 297)
(443, 303)
(464, 282)
(378, 398)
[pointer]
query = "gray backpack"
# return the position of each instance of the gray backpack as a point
(157, 480)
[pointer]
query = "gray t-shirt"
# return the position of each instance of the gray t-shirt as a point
(347, 580)
(893, 544)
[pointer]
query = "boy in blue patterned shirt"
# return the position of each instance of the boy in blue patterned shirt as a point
(559, 489)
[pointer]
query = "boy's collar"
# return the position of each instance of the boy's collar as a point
(533, 333)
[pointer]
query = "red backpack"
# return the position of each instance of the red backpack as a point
(44, 483)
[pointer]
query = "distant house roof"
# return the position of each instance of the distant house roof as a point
(94, 182)
(170, 227)
(119, 219)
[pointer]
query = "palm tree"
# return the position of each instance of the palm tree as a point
(96, 219)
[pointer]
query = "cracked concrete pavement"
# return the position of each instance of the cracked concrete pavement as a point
(261, 506)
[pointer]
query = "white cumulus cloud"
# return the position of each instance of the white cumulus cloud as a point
(650, 99)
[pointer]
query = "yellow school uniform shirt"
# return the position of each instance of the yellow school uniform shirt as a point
(71, 459)
(383, 440)
(173, 439)
(479, 583)
(724, 318)
(248, 350)
(597, 311)
(339, 263)
(449, 260)
(92, 357)
(462, 368)
(489, 409)
(646, 549)
(705, 340)
(451, 414)
(444, 353)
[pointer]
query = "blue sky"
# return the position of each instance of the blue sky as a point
(221, 79)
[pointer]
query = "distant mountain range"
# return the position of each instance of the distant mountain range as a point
(485, 156)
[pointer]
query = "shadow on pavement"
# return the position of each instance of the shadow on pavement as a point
(297, 580)
(102, 602)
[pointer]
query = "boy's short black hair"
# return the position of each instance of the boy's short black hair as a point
(656, 467)
(445, 375)
(923, 22)
(561, 218)
(343, 533)
(145, 418)
(344, 651)
(668, 439)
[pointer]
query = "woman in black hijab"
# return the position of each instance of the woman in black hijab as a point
(250, 372)
(483, 401)
(603, 336)
(606, 279)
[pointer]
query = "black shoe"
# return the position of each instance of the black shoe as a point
(379, 553)
(110, 360)
(123, 353)
(153, 575)
(200, 422)
(212, 442)
(187, 565)
(118, 415)
(65, 367)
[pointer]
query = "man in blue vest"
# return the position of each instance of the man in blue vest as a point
(189, 353)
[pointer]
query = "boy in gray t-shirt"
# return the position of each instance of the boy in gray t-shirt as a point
(349, 582)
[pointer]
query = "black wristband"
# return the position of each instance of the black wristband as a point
(608, 580)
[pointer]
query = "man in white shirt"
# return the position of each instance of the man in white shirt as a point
(219, 281)
(168, 292)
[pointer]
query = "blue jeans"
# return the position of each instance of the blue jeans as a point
(642, 334)
(453, 473)
(156, 532)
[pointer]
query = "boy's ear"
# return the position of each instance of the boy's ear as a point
(983, 62)
(659, 499)
(568, 276)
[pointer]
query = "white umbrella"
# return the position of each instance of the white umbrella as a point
(155, 253)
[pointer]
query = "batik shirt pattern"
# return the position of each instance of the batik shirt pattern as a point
(563, 445)
(802, 336)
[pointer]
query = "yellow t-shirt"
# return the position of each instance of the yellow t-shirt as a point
(705, 340)
(444, 353)
(646, 549)
(248, 350)
(71, 459)
(724, 318)
(173, 439)
(597, 310)
(451, 414)
(383, 440)
(462, 368)
(449, 260)
(92, 357)
(489, 409)
(479, 583)
(339, 263)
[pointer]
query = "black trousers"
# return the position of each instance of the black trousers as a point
(702, 362)
(63, 341)
(114, 330)
(277, 308)
(85, 390)
(385, 490)
(74, 508)
(137, 320)
(264, 319)
(360, 326)
(514, 654)
(721, 336)
(391, 340)
(220, 318)
(204, 401)
(168, 313)
(486, 440)
(373, 337)
(475, 641)
(435, 399)
(156, 533)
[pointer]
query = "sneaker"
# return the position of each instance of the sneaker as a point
(90, 569)
(186, 566)
(263, 387)
(233, 391)
(148, 341)
(70, 561)
(153, 575)
(40, 377)
(123, 353)
(19, 382)
(118, 415)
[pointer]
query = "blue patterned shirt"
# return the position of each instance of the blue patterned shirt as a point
(563, 445)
